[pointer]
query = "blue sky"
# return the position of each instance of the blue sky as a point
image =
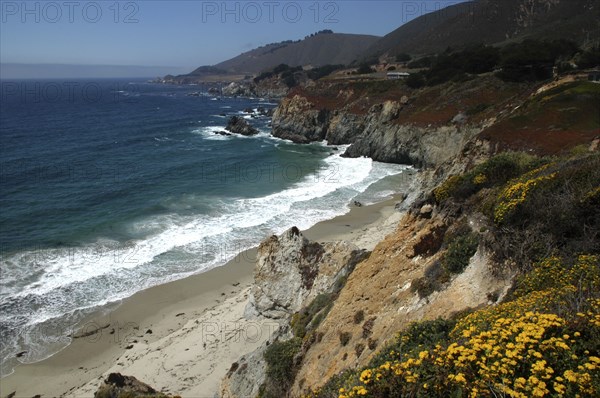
(183, 34)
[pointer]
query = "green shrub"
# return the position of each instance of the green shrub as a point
(372, 343)
(281, 369)
(403, 57)
(436, 276)
(367, 328)
(416, 80)
(424, 62)
(323, 71)
(359, 316)
(417, 336)
(358, 349)
(494, 172)
(345, 338)
(290, 81)
(422, 286)
(459, 252)
(310, 317)
(533, 60)
(555, 212)
(263, 76)
(458, 65)
(365, 69)
(286, 72)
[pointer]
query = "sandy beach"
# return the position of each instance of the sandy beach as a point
(181, 337)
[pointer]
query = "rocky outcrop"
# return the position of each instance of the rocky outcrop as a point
(269, 88)
(291, 271)
(235, 89)
(408, 144)
(344, 127)
(378, 134)
(390, 122)
(117, 385)
(298, 120)
(240, 126)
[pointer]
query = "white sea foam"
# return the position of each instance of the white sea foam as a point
(65, 266)
(211, 133)
(177, 246)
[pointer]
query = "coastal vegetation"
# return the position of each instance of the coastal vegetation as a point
(529, 60)
(282, 71)
(544, 338)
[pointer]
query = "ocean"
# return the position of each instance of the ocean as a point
(109, 187)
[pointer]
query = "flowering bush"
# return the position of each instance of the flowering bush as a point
(544, 339)
(521, 348)
(494, 172)
(517, 193)
(527, 355)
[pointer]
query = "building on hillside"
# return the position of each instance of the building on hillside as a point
(594, 76)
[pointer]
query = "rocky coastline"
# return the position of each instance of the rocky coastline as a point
(366, 284)
(384, 286)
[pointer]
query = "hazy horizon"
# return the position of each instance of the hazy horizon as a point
(118, 38)
(17, 71)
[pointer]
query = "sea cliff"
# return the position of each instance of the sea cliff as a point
(445, 131)
(455, 242)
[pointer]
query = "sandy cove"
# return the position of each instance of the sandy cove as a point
(183, 336)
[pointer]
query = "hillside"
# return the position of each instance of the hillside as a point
(318, 50)
(493, 22)
(493, 258)
(483, 278)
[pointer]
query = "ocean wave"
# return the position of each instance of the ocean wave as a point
(71, 280)
(73, 265)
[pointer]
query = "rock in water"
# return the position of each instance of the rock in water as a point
(238, 125)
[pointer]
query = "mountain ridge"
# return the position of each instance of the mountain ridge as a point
(493, 22)
(318, 50)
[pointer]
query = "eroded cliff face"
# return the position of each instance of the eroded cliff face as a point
(439, 129)
(380, 287)
(393, 123)
(376, 134)
(298, 120)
